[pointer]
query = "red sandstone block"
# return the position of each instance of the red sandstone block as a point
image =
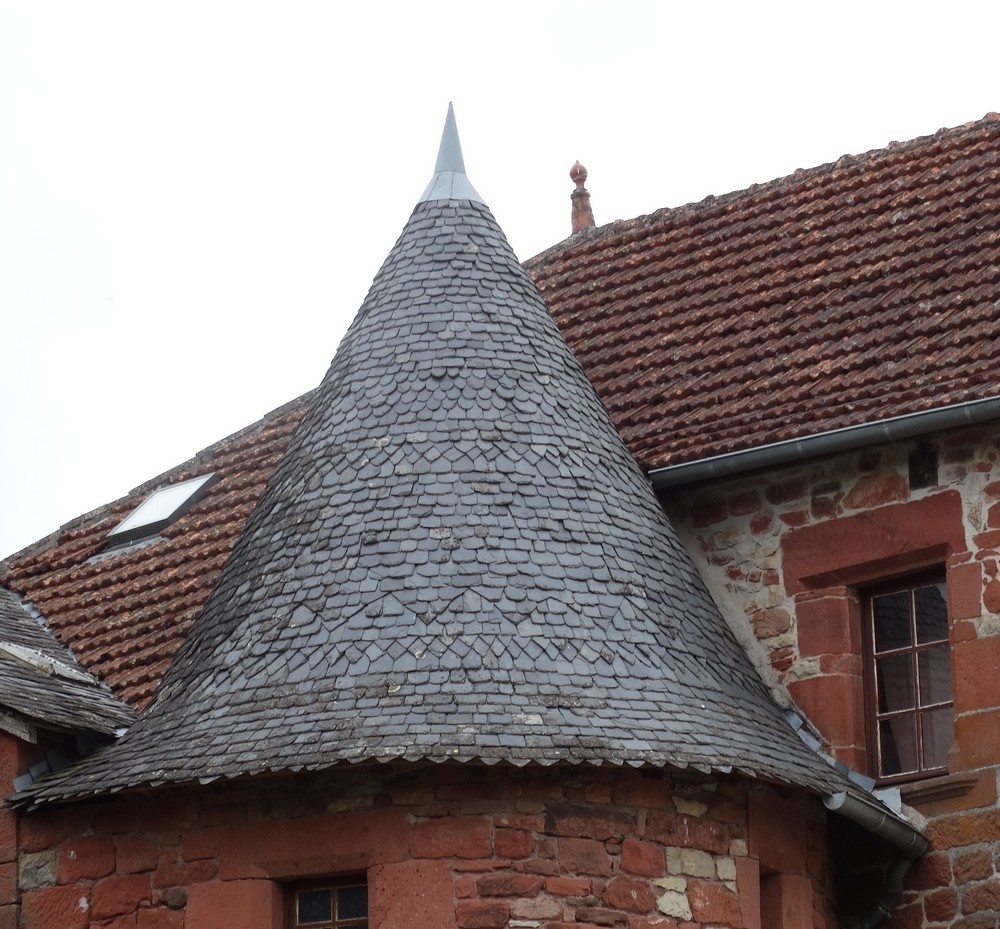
(513, 843)
(205, 843)
(8, 883)
(588, 822)
(828, 625)
(482, 914)
(760, 523)
(981, 897)
(991, 596)
(47, 829)
(795, 518)
(10, 917)
(482, 864)
(90, 856)
(135, 853)
(528, 822)
(509, 885)
(786, 491)
(714, 903)
(976, 670)
(933, 870)
(181, 874)
(778, 831)
(407, 894)
(67, 907)
(246, 904)
(978, 737)
(114, 896)
(641, 788)
(568, 886)
(861, 548)
(463, 837)
(965, 592)
(584, 856)
(973, 865)
(121, 922)
(748, 501)
(545, 866)
(8, 835)
(630, 894)
(835, 705)
(306, 846)
(465, 886)
(645, 858)
(748, 891)
(941, 905)
(160, 918)
(171, 816)
(687, 831)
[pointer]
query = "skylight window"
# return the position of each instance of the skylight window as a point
(160, 509)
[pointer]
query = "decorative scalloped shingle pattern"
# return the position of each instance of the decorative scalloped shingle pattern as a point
(456, 559)
(849, 293)
(125, 615)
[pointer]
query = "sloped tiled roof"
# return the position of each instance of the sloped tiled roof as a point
(41, 682)
(456, 559)
(850, 293)
(124, 615)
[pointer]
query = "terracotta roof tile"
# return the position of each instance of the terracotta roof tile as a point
(853, 292)
(124, 615)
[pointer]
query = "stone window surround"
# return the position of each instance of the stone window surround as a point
(825, 564)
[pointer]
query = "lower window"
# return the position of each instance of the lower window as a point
(908, 676)
(328, 904)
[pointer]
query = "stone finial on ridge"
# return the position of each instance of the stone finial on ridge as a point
(583, 215)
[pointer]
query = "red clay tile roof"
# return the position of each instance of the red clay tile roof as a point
(125, 615)
(845, 294)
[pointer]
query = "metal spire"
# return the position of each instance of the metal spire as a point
(449, 181)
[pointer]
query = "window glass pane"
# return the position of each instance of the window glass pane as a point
(891, 616)
(935, 675)
(938, 731)
(895, 683)
(352, 902)
(314, 906)
(931, 606)
(898, 743)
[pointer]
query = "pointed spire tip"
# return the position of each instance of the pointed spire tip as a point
(450, 181)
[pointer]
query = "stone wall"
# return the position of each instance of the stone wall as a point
(445, 847)
(785, 554)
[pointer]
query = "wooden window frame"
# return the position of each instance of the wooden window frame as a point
(867, 595)
(333, 883)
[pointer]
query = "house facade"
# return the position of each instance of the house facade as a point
(457, 669)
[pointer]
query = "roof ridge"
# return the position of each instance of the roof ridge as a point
(692, 208)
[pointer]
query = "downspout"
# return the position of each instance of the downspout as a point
(827, 443)
(877, 820)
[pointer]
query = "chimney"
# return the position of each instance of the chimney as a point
(583, 215)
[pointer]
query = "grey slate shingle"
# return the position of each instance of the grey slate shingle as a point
(456, 559)
(42, 682)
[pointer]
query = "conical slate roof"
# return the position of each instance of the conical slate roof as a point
(457, 558)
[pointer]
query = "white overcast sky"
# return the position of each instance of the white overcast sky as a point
(195, 196)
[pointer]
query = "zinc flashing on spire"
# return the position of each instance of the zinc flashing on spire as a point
(449, 181)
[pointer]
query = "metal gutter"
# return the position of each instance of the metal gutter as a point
(827, 443)
(876, 819)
